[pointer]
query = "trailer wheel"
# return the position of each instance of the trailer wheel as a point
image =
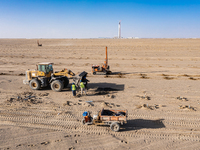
(35, 84)
(108, 72)
(83, 121)
(66, 82)
(115, 126)
(57, 85)
(94, 73)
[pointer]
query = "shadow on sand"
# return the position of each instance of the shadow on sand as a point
(95, 88)
(126, 73)
(104, 88)
(137, 124)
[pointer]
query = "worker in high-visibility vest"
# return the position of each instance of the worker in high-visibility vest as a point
(82, 86)
(85, 81)
(73, 89)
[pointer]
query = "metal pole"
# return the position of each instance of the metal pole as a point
(106, 58)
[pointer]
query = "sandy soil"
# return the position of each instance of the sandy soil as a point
(158, 84)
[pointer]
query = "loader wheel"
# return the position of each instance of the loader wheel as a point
(66, 82)
(83, 121)
(35, 84)
(115, 126)
(94, 73)
(57, 85)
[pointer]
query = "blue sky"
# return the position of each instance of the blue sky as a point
(99, 18)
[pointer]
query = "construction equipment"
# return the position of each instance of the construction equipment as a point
(39, 43)
(114, 118)
(44, 76)
(104, 68)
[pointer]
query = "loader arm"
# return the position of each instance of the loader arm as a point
(65, 72)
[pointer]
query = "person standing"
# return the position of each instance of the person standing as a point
(73, 89)
(82, 86)
(85, 81)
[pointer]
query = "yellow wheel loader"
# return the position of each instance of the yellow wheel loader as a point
(44, 76)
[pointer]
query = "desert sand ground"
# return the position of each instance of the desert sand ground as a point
(156, 80)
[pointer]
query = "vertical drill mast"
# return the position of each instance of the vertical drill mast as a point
(106, 60)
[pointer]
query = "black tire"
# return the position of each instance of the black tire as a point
(57, 85)
(66, 82)
(35, 84)
(94, 73)
(83, 121)
(115, 127)
(108, 72)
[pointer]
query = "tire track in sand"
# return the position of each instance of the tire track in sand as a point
(69, 124)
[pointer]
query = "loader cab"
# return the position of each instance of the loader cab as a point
(46, 68)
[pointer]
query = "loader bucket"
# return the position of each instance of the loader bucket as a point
(79, 77)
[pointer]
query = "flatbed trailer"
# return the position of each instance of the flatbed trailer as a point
(113, 118)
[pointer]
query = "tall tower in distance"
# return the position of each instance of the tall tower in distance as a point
(119, 30)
